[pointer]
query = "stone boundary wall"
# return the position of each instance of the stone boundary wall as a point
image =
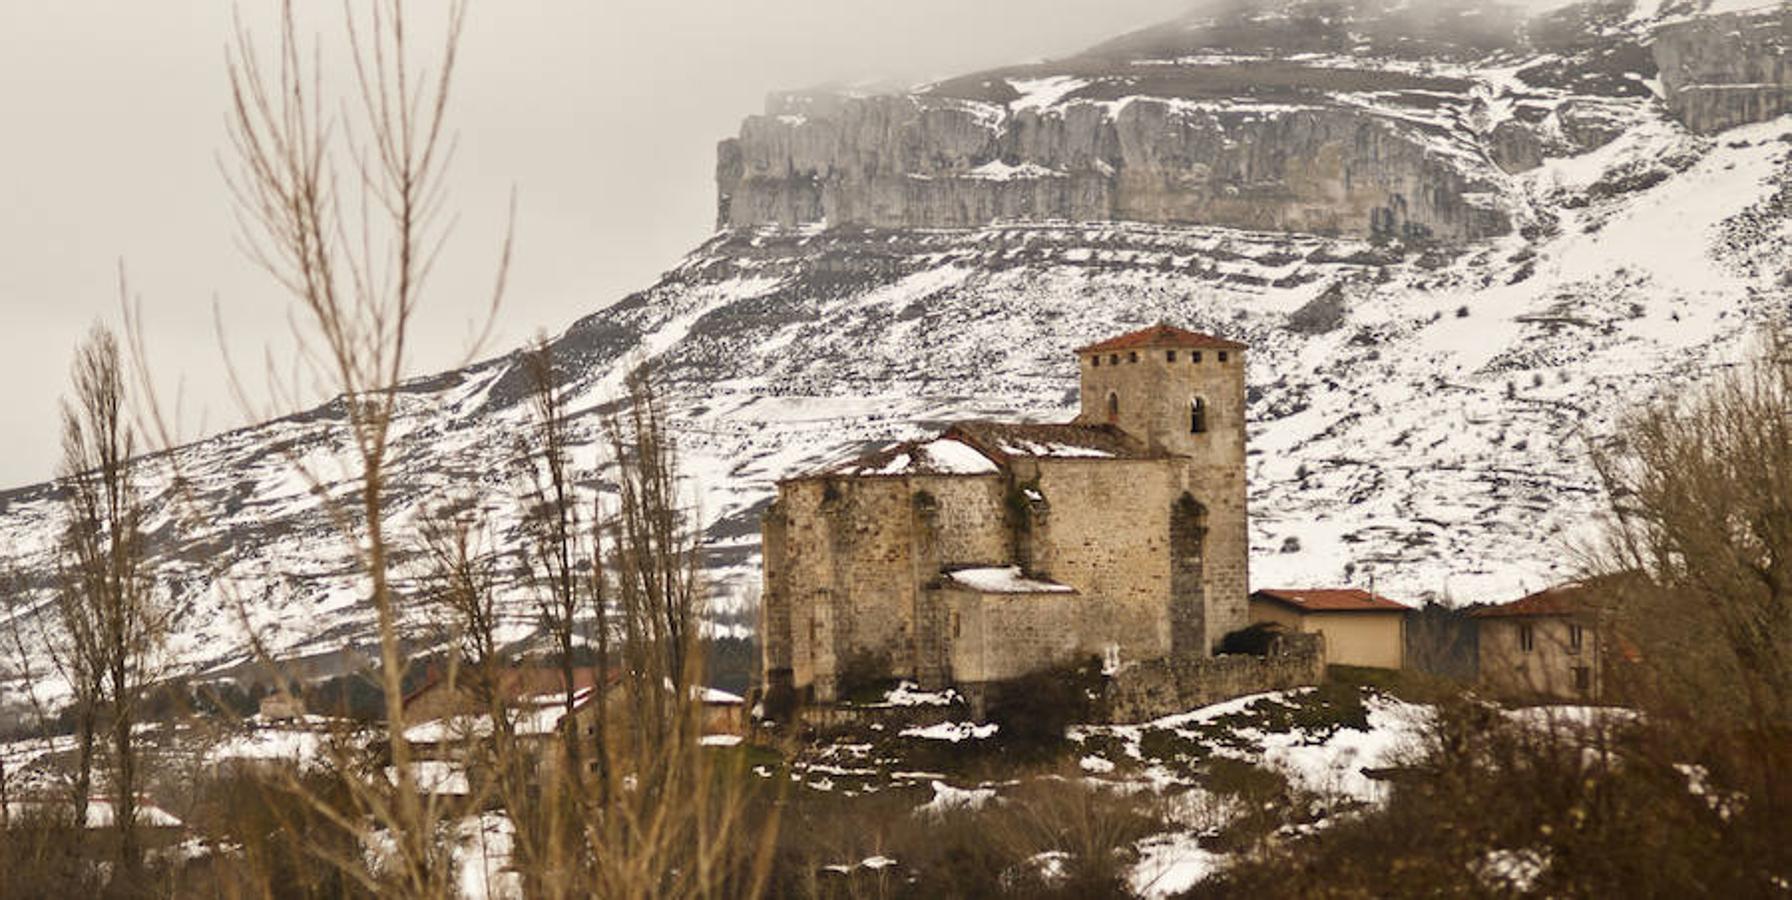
(1162, 687)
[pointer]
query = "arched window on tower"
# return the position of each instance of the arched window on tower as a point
(1113, 408)
(1197, 416)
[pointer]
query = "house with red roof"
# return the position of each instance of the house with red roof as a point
(1550, 644)
(992, 550)
(1358, 628)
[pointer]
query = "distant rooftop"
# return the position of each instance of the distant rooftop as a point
(1330, 600)
(1164, 335)
(1560, 600)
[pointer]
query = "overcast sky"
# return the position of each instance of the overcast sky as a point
(603, 116)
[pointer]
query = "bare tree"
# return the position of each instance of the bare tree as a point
(110, 617)
(345, 213)
(557, 555)
(1701, 495)
(1699, 572)
(679, 826)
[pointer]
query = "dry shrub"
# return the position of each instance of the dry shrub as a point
(1045, 837)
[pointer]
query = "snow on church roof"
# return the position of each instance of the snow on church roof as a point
(941, 456)
(1004, 580)
(1068, 441)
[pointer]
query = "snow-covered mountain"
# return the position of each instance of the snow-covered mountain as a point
(1461, 239)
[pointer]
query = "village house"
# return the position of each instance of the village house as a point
(994, 550)
(1549, 644)
(1357, 627)
(446, 718)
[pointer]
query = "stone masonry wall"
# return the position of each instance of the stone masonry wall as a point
(1001, 636)
(1156, 688)
(843, 580)
(1109, 539)
(1155, 388)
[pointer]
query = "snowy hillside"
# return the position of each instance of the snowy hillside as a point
(1420, 411)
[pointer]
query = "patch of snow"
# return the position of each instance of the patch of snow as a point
(1039, 93)
(951, 731)
(947, 798)
(1511, 870)
(957, 458)
(907, 693)
(1335, 766)
(1005, 580)
(435, 776)
(1170, 865)
(719, 740)
(996, 170)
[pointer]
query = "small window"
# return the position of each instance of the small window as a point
(1574, 637)
(1526, 641)
(957, 626)
(1113, 408)
(1095, 361)
(1583, 678)
(1132, 356)
(1169, 356)
(1113, 359)
(1197, 416)
(1194, 356)
(1222, 356)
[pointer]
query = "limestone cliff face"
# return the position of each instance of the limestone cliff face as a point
(921, 161)
(1722, 71)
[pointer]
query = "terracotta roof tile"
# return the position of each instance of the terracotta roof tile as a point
(1163, 335)
(1330, 600)
(1560, 600)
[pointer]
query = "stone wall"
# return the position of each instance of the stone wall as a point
(1152, 689)
(1723, 71)
(1109, 538)
(923, 161)
(996, 637)
(1155, 389)
(846, 561)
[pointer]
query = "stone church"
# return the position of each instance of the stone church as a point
(995, 549)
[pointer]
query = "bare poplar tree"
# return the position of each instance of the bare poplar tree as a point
(109, 614)
(556, 555)
(679, 826)
(345, 213)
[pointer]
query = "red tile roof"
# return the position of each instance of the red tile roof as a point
(1330, 600)
(517, 682)
(1560, 600)
(1162, 335)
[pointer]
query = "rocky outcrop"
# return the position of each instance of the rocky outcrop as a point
(920, 161)
(1719, 72)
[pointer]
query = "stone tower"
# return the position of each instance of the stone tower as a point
(1183, 395)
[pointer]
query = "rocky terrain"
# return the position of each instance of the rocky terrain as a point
(1461, 239)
